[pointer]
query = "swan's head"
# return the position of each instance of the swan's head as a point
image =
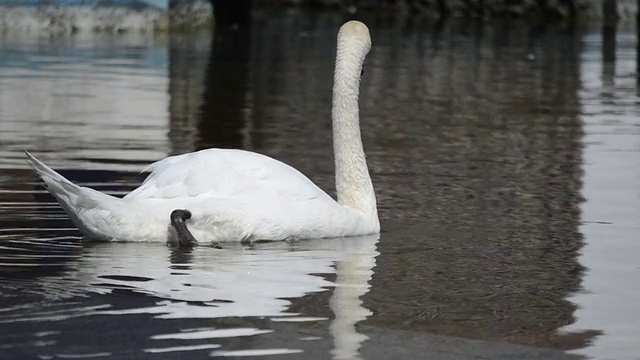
(354, 35)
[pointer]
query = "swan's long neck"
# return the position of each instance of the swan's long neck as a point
(353, 182)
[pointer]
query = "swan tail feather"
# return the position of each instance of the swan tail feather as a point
(57, 184)
(74, 199)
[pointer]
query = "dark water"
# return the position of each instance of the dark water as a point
(505, 159)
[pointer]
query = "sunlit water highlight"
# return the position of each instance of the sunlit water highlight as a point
(611, 211)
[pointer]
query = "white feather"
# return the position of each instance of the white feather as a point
(236, 195)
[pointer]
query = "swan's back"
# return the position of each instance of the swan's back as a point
(224, 174)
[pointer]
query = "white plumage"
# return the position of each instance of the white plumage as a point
(237, 195)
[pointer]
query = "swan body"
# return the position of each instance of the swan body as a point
(237, 195)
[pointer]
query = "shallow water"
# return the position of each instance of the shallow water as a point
(505, 161)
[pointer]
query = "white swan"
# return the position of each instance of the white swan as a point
(236, 195)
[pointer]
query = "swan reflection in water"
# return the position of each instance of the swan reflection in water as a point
(238, 281)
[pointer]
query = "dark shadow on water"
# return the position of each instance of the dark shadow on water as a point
(222, 114)
(488, 248)
(209, 76)
(188, 59)
(638, 54)
(608, 54)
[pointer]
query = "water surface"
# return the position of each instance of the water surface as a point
(504, 157)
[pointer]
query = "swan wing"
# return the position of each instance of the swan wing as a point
(224, 174)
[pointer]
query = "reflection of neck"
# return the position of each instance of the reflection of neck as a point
(353, 273)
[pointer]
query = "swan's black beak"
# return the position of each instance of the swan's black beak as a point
(178, 218)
